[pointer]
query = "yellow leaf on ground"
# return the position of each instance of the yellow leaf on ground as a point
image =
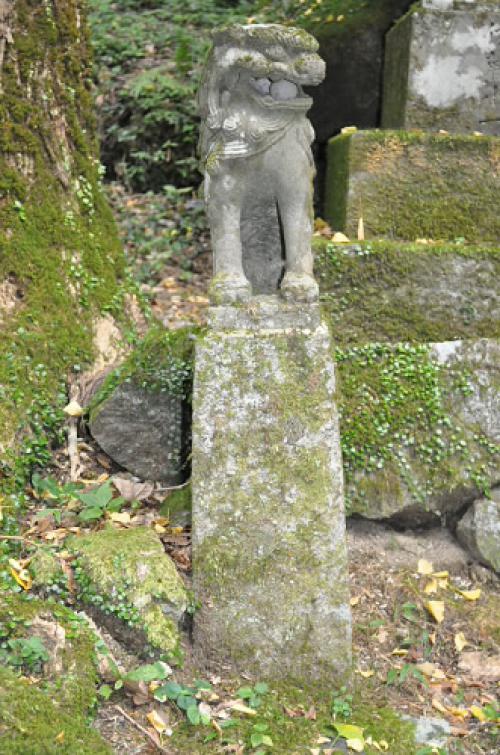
(240, 708)
(21, 575)
(440, 574)
(400, 651)
(478, 713)
(354, 601)
(121, 517)
(158, 721)
(59, 738)
(424, 566)
(436, 610)
(470, 594)
(460, 642)
(431, 587)
(353, 736)
(443, 583)
(365, 674)
(458, 712)
(438, 705)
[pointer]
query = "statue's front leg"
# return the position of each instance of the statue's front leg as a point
(224, 196)
(295, 206)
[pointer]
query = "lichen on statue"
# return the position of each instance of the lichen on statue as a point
(256, 157)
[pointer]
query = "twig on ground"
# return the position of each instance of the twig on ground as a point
(142, 729)
(19, 537)
(73, 452)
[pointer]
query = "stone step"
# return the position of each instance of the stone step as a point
(411, 184)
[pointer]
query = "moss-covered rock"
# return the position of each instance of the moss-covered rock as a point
(394, 291)
(128, 578)
(58, 243)
(411, 185)
(420, 428)
(34, 715)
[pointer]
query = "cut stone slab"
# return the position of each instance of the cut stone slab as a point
(392, 291)
(414, 185)
(479, 530)
(441, 68)
(128, 578)
(430, 470)
(144, 430)
(269, 548)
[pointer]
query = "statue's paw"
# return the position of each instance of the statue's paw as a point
(299, 287)
(229, 289)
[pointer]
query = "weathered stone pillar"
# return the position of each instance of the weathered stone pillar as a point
(269, 549)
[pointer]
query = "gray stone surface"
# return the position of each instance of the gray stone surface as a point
(442, 68)
(145, 431)
(479, 530)
(269, 549)
(255, 148)
(411, 494)
(433, 732)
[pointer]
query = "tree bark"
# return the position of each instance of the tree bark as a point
(60, 258)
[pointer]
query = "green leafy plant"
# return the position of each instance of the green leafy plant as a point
(185, 699)
(253, 695)
(341, 704)
(407, 671)
(260, 736)
(98, 501)
(24, 653)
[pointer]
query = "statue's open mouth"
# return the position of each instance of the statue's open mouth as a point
(280, 92)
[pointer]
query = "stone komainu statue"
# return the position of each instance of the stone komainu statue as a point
(255, 147)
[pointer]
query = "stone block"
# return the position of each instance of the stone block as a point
(269, 550)
(411, 185)
(441, 68)
(479, 530)
(392, 291)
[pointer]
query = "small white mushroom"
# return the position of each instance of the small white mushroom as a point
(284, 90)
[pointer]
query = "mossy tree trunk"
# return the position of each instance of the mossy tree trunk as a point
(60, 258)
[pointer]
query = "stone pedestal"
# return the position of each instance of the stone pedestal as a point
(441, 68)
(269, 549)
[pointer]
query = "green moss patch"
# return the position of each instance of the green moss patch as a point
(35, 715)
(390, 291)
(410, 185)
(126, 576)
(410, 446)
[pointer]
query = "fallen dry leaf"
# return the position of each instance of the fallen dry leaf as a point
(479, 666)
(120, 517)
(131, 490)
(470, 594)
(159, 721)
(436, 610)
(460, 642)
(424, 566)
